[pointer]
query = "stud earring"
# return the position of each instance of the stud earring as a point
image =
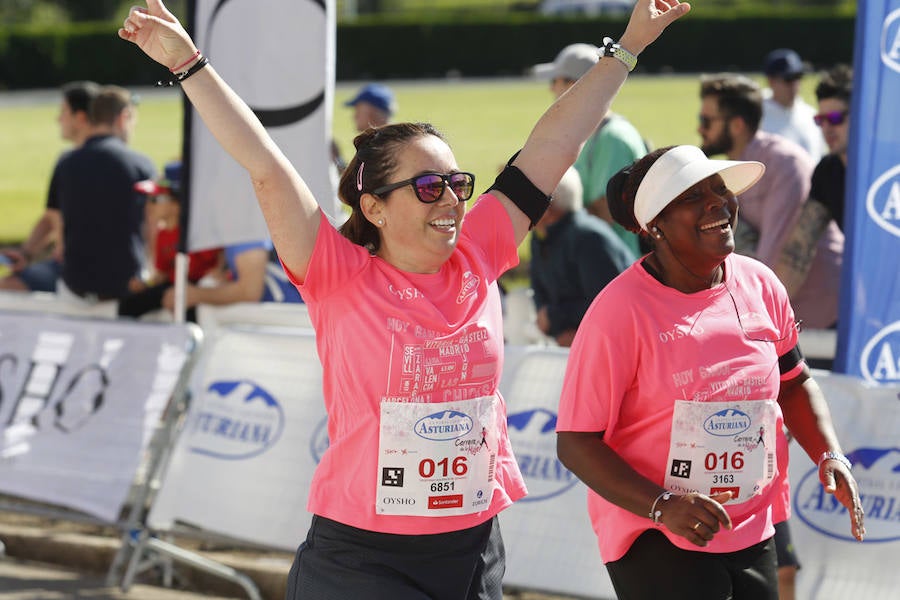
(380, 222)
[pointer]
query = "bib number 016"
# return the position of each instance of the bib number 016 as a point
(727, 461)
(443, 468)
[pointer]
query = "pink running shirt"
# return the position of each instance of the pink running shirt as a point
(383, 334)
(641, 346)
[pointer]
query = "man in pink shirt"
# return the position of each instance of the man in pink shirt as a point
(730, 113)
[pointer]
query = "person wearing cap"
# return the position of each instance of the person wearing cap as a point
(612, 145)
(37, 263)
(574, 255)
(406, 308)
(784, 110)
(730, 112)
(373, 106)
(691, 341)
(241, 272)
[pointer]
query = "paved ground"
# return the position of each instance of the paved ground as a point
(53, 559)
(25, 580)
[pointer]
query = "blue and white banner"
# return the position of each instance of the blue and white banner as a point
(869, 324)
(278, 55)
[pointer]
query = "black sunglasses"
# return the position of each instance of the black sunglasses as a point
(706, 122)
(430, 187)
(835, 117)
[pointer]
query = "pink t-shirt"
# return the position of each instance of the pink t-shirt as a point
(377, 331)
(641, 346)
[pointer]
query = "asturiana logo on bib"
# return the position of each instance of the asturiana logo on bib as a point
(877, 472)
(883, 201)
(880, 358)
(726, 423)
(532, 434)
(890, 41)
(239, 419)
(444, 425)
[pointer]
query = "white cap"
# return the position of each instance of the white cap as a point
(572, 62)
(680, 168)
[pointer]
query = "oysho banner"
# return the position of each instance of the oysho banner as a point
(869, 325)
(79, 400)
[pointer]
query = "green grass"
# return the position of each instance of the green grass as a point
(485, 121)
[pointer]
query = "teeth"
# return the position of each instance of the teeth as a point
(714, 225)
(444, 222)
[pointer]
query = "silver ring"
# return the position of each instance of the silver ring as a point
(697, 525)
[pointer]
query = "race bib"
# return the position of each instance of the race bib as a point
(723, 446)
(437, 459)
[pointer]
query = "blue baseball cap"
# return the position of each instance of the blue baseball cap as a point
(379, 96)
(784, 63)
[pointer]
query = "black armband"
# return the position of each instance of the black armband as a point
(789, 361)
(519, 189)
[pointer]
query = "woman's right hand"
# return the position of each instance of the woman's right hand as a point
(696, 517)
(158, 33)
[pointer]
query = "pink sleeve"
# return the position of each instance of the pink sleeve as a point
(602, 368)
(334, 260)
(488, 227)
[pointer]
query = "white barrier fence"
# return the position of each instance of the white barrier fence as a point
(256, 429)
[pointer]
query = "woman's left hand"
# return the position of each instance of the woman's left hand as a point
(837, 479)
(648, 20)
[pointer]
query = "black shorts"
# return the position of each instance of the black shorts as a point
(784, 546)
(337, 562)
(654, 568)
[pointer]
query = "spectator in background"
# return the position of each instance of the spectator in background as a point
(731, 109)
(614, 144)
(825, 208)
(573, 256)
(237, 273)
(163, 216)
(784, 111)
(37, 263)
(102, 214)
(373, 106)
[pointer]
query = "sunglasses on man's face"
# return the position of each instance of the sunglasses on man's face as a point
(429, 187)
(835, 117)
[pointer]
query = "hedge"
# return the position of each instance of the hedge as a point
(40, 58)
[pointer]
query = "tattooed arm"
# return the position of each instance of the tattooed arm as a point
(799, 250)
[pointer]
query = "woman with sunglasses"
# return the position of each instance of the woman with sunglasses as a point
(406, 308)
(680, 440)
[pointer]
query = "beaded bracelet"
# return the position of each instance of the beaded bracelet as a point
(611, 48)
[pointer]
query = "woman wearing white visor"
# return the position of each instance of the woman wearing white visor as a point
(681, 378)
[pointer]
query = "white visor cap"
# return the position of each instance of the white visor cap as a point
(679, 169)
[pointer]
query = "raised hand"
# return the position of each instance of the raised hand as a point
(648, 20)
(158, 33)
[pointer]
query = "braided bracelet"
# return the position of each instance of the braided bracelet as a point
(611, 48)
(180, 77)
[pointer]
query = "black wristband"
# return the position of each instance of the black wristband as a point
(180, 77)
(522, 192)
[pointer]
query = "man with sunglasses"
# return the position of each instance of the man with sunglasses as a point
(730, 113)
(825, 208)
(784, 110)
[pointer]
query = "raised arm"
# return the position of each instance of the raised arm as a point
(288, 206)
(557, 137)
